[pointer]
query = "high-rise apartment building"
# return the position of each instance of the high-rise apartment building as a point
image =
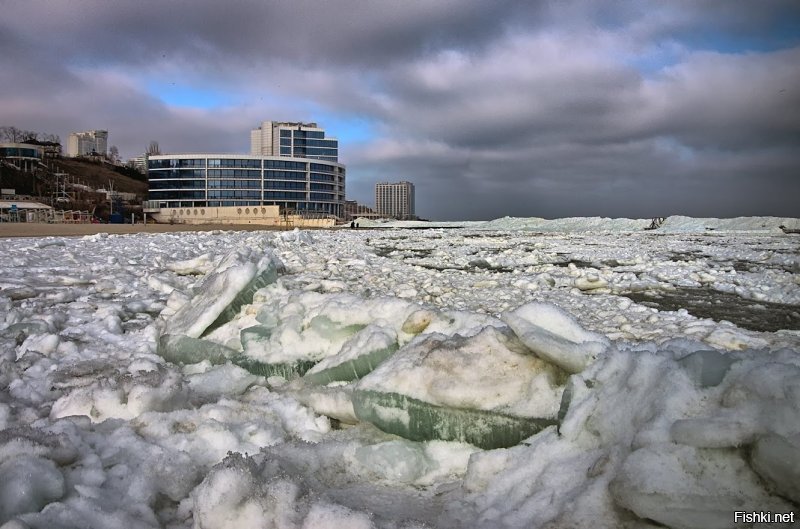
(83, 143)
(395, 200)
(298, 140)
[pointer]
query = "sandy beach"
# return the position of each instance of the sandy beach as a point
(32, 229)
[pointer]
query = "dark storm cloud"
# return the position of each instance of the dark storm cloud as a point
(742, 101)
(491, 108)
(562, 89)
(309, 31)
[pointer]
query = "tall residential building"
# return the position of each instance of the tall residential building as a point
(297, 140)
(395, 200)
(83, 143)
(139, 163)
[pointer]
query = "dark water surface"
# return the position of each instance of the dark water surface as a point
(713, 304)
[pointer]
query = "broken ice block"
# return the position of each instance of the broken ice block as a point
(421, 421)
(554, 335)
(693, 488)
(333, 401)
(27, 484)
(295, 340)
(777, 460)
(575, 389)
(19, 331)
(418, 321)
(220, 295)
(486, 390)
(362, 353)
(287, 370)
(707, 368)
(180, 349)
(721, 431)
(256, 333)
(333, 330)
(398, 461)
(590, 282)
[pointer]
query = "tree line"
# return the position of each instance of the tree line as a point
(15, 135)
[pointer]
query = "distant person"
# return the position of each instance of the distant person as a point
(352, 224)
(356, 224)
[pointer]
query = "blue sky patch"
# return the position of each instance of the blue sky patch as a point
(176, 94)
(347, 129)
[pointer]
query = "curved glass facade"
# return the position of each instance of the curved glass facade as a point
(20, 152)
(24, 156)
(297, 185)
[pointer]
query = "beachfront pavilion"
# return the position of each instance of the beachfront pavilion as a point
(24, 211)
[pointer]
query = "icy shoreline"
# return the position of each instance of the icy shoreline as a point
(673, 224)
(110, 433)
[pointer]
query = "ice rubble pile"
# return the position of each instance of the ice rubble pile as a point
(672, 224)
(722, 428)
(408, 370)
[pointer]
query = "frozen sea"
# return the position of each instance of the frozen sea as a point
(518, 373)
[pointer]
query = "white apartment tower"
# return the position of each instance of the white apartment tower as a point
(395, 200)
(83, 143)
(298, 140)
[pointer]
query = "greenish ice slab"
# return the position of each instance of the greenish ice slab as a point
(287, 370)
(333, 330)
(421, 421)
(24, 328)
(256, 333)
(244, 296)
(180, 349)
(707, 368)
(351, 369)
(219, 296)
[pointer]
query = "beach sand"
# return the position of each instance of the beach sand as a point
(32, 229)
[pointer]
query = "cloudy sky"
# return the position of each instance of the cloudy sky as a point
(491, 107)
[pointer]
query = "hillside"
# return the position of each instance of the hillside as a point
(45, 185)
(98, 175)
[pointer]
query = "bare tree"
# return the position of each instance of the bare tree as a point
(153, 148)
(11, 134)
(15, 135)
(52, 138)
(113, 153)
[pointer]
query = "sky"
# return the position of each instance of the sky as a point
(491, 108)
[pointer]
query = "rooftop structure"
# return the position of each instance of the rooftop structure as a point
(293, 139)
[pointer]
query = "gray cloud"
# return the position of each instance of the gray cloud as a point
(491, 108)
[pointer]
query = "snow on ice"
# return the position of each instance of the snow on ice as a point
(518, 373)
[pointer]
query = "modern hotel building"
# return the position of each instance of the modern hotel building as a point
(302, 182)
